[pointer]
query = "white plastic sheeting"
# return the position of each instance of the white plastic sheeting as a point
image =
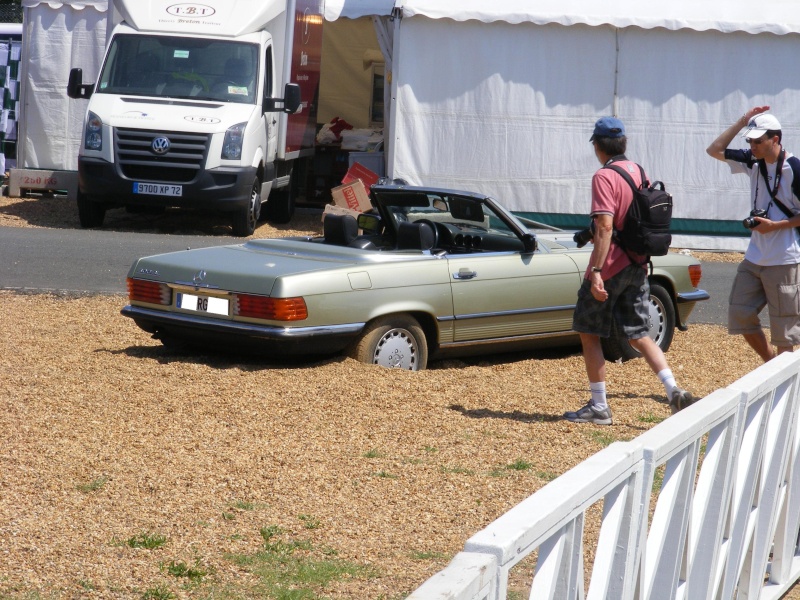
(56, 37)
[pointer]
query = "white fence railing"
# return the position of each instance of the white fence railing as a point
(705, 505)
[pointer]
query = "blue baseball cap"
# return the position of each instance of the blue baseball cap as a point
(610, 127)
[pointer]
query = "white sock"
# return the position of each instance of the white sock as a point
(598, 390)
(668, 379)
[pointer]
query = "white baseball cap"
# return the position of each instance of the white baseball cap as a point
(759, 125)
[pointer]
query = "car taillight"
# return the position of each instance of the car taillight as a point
(140, 290)
(271, 309)
(695, 273)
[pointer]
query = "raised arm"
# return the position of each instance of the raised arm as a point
(719, 145)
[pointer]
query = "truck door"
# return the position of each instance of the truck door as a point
(271, 125)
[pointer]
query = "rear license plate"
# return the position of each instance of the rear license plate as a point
(206, 304)
(157, 189)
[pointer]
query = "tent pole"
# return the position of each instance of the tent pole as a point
(615, 104)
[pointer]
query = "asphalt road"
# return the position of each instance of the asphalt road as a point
(96, 261)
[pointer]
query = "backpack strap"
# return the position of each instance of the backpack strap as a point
(629, 180)
(794, 163)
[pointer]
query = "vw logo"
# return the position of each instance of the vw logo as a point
(160, 145)
(199, 277)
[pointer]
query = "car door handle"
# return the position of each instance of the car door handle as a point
(465, 274)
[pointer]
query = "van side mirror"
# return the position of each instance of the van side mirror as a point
(290, 101)
(75, 86)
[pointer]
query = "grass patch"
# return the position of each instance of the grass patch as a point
(456, 470)
(290, 569)
(519, 465)
(160, 592)
(92, 486)
(374, 453)
(148, 541)
(385, 475)
(428, 555)
(309, 522)
(603, 438)
(195, 574)
(651, 418)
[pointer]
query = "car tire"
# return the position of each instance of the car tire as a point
(394, 342)
(90, 213)
(244, 220)
(662, 320)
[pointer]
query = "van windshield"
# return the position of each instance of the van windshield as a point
(178, 67)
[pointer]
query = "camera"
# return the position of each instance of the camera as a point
(750, 222)
(584, 236)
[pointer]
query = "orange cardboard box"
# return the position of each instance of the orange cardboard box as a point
(352, 195)
(359, 171)
(332, 209)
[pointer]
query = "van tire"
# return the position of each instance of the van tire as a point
(280, 206)
(90, 213)
(245, 219)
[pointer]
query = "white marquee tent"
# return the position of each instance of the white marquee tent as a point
(501, 96)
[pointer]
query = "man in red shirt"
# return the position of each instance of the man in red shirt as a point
(615, 288)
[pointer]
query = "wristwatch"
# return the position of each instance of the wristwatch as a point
(597, 270)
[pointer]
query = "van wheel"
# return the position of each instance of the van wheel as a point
(662, 327)
(244, 220)
(90, 213)
(395, 341)
(280, 205)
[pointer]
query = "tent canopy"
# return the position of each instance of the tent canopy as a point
(771, 16)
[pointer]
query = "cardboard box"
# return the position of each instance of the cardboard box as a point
(359, 171)
(352, 195)
(332, 209)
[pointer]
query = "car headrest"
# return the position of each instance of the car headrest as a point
(415, 236)
(339, 230)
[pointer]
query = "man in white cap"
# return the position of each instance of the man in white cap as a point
(615, 290)
(769, 275)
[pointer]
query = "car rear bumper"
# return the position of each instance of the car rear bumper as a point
(685, 304)
(278, 341)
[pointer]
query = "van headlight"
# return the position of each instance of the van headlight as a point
(93, 136)
(232, 144)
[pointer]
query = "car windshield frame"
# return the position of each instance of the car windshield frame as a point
(465, 212)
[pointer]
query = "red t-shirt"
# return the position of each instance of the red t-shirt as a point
(611, 195)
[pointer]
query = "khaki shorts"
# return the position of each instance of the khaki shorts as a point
(756, 287)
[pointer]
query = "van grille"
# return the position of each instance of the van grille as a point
(181, 164)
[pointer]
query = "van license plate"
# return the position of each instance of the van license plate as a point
(206, 304)
(157, 189)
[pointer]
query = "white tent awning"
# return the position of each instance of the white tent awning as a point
(770, 16)
(100, 5)
(353, 9)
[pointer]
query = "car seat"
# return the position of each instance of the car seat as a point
(415, 236)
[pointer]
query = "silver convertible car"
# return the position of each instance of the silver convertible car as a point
(427, 273)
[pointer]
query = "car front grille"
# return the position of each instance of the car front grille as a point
(181, 164)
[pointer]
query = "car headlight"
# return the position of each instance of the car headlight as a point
(232, 144)
(93, 136)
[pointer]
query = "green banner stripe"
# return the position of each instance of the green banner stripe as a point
(679, 226)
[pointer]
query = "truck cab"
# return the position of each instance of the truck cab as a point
(180, 117)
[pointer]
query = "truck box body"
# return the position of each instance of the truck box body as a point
(188, 109)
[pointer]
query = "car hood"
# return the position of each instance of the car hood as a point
(255, 266)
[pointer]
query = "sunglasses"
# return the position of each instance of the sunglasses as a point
(757, 141)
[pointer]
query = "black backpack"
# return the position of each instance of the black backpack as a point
(646, 228)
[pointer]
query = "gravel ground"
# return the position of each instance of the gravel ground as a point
(107, 438)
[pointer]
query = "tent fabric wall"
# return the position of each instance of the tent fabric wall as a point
(521, 99)
(56, 36)
(520, 120)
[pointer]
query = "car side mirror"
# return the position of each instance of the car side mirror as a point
(529, 243)
(75, 86)
(289, 103)
(369, 222)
